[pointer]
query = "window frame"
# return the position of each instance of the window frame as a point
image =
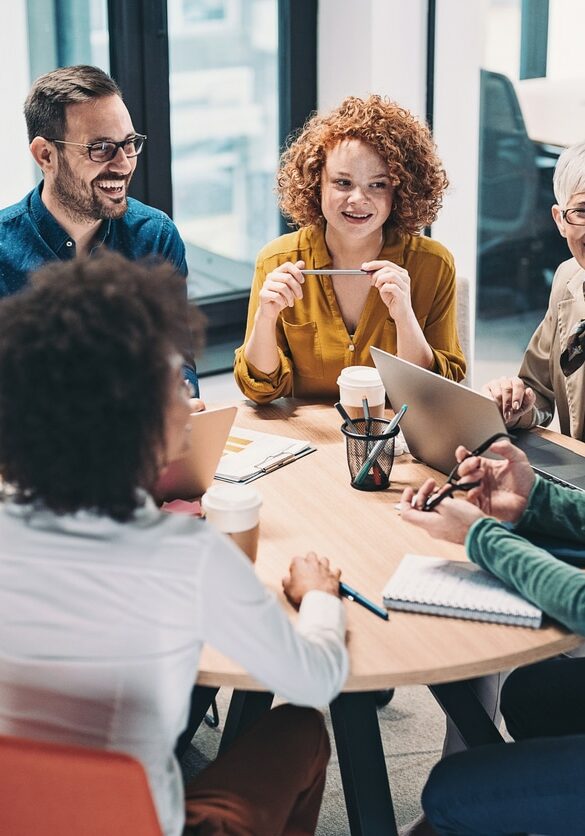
(139, 61)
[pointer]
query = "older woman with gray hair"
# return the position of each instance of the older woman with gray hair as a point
(550, 373)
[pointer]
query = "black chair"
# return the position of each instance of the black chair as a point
(516, 231)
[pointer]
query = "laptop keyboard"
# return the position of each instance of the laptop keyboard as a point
(550, 478)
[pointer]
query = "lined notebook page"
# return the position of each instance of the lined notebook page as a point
(461, 590)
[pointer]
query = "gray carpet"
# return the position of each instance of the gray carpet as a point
(412, 728)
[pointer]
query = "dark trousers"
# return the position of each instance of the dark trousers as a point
(269, 783)
(535, 785)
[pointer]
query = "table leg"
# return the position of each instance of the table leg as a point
(245, 708)
(201, 699)
(362, 765)
(459, 701)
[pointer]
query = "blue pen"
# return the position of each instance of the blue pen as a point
(353, 595)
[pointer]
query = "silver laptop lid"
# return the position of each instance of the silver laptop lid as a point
(441, 413)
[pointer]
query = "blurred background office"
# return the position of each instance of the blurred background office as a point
(218, 84)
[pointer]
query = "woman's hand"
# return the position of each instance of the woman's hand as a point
(196, 405)
(505, 483)
(450, 520)
(307, 573)
(512, 396)
(280, 289)
(393, 284)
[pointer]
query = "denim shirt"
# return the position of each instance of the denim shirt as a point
(30, 237)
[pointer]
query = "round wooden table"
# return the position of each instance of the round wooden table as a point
(310, 505)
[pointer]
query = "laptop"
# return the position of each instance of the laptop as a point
(443, 414)
(191, 475)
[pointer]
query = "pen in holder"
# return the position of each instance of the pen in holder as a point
(360, 446)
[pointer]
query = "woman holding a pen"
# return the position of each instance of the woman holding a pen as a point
(360, 184)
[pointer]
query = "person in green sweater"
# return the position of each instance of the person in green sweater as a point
(534, 785)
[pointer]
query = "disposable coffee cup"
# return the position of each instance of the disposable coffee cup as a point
(235, 510)
(359, 382)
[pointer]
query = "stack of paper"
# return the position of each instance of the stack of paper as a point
(249, 454)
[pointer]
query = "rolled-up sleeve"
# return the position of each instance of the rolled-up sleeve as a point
(255, 384)
(441, 326)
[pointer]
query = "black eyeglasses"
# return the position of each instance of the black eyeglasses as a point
(452, 484)
(103, 152)
(576, 217)
(573, 357)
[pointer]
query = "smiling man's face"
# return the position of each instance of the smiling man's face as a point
(88, 191)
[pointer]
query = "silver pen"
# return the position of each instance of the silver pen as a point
(335, 272)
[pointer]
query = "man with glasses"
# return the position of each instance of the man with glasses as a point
(551, 372)
(83, 140)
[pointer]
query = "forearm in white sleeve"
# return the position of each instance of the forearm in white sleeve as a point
(306, 665)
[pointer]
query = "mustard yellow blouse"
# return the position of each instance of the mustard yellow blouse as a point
(313, 342)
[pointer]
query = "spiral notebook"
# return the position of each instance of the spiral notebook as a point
(461, 590)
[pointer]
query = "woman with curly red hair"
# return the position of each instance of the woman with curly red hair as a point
(360, 184)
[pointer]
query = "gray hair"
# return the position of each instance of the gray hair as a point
(569, 176)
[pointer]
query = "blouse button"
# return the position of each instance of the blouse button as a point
(351, 347)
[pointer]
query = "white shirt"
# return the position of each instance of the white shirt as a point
(102, 624)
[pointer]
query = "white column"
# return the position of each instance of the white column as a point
(458, 54)
(372, 46)
(18, 169)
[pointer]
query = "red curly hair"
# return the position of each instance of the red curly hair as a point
(404, 143)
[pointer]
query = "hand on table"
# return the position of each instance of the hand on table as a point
(512, 396)
(307, 573)
(393, 284)
(450, 520)
(281, 288)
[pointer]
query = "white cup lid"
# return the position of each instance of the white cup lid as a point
(227, 497)
(359, 377)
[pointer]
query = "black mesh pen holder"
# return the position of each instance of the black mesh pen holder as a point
(359, 445)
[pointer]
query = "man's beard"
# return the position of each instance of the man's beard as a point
(81, 202)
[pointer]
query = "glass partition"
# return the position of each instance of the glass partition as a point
(529, 111)
(224, 127)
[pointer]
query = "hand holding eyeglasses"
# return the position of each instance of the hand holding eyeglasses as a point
(499, 487)
(453, 484)
(448, 521)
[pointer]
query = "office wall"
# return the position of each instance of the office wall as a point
(17, 167)
(372, 46)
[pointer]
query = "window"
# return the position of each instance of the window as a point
(224, 131)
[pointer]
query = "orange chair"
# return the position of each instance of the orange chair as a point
(55, 790)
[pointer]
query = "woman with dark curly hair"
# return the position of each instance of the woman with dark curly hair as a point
(360, 183)
(106, 601)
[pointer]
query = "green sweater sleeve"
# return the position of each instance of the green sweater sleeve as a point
(554, 511)
(555, 587)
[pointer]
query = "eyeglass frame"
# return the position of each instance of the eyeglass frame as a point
(452, 482)
(89, 145)
(565, 212)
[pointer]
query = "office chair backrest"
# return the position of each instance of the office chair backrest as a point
(53, 790)
(508, 170)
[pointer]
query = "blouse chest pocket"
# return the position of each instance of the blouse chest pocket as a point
(305, 348)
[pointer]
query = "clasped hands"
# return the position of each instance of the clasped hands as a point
(502, 492)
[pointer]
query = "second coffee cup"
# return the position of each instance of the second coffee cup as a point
(235, 510)
(359, 382)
